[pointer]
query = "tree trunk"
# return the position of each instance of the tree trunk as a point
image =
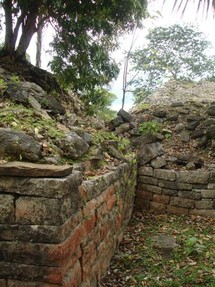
(28, 31)
(9, 46)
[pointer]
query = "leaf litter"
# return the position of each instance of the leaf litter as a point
(138, 263)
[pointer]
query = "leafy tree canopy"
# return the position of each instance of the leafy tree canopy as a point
(175, 52)
(85, 33)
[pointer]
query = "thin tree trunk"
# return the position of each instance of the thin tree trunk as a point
(125, 72)
(39, 44)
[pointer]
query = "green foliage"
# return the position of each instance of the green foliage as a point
(98, 101)
(3, 85)
(150, 127)
(175, 52)
(100, 136)
(192, 246)
(85, 34)
(15, 79)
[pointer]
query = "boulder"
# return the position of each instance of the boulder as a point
(127, 118)
(149, 152)
(211, 110)
(73, 146)
(18, 145)
(115, 123)
(22, 92)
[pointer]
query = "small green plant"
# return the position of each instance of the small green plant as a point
(15, 79)
(192, 246)
(102, 135)
(124, 144)
(3, 85)
(150, 127)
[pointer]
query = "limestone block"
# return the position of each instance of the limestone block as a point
(38, 210)
(161, 198)
(145, 170)
(167, 184)
(47, 187)
(196, 177)
(182, 202)
(208, 193)
(192, 194)
(204, 204)
(159, 207)
(149, 187)
(147, 180)
(165, 174)
(169, 191)
(184, 186)
(26, 169)
(6, 208)
(203, 212)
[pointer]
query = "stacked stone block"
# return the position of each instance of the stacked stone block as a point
(62, 231)
(180, 192)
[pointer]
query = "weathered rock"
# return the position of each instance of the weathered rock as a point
(125, 127)
(81, 133)
(196, 177)
(190, 166)
(184, 111)
(6, 208)
(177, 104)
(183, 158)
(115, 122)
(20, 93)
(198, 133)
(172, 118)
(179, 127)
(209, 122)
(26, 169)
(165, 244)
(149, 152)
(74, 146)
(158, 162)
(144, 139)
(127, 118)
(16, 145)
(192, 125)
(185, 136)
(211, 110)
(210, 133)
(160, 113)
(202, 142)
(53, 106)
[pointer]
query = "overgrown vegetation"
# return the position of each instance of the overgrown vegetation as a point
(27, 120)
(138, 263)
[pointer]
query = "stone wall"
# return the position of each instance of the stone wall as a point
(62, 231)
(178, 192)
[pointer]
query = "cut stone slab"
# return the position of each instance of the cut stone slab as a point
(27, 169)
(165, 244)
